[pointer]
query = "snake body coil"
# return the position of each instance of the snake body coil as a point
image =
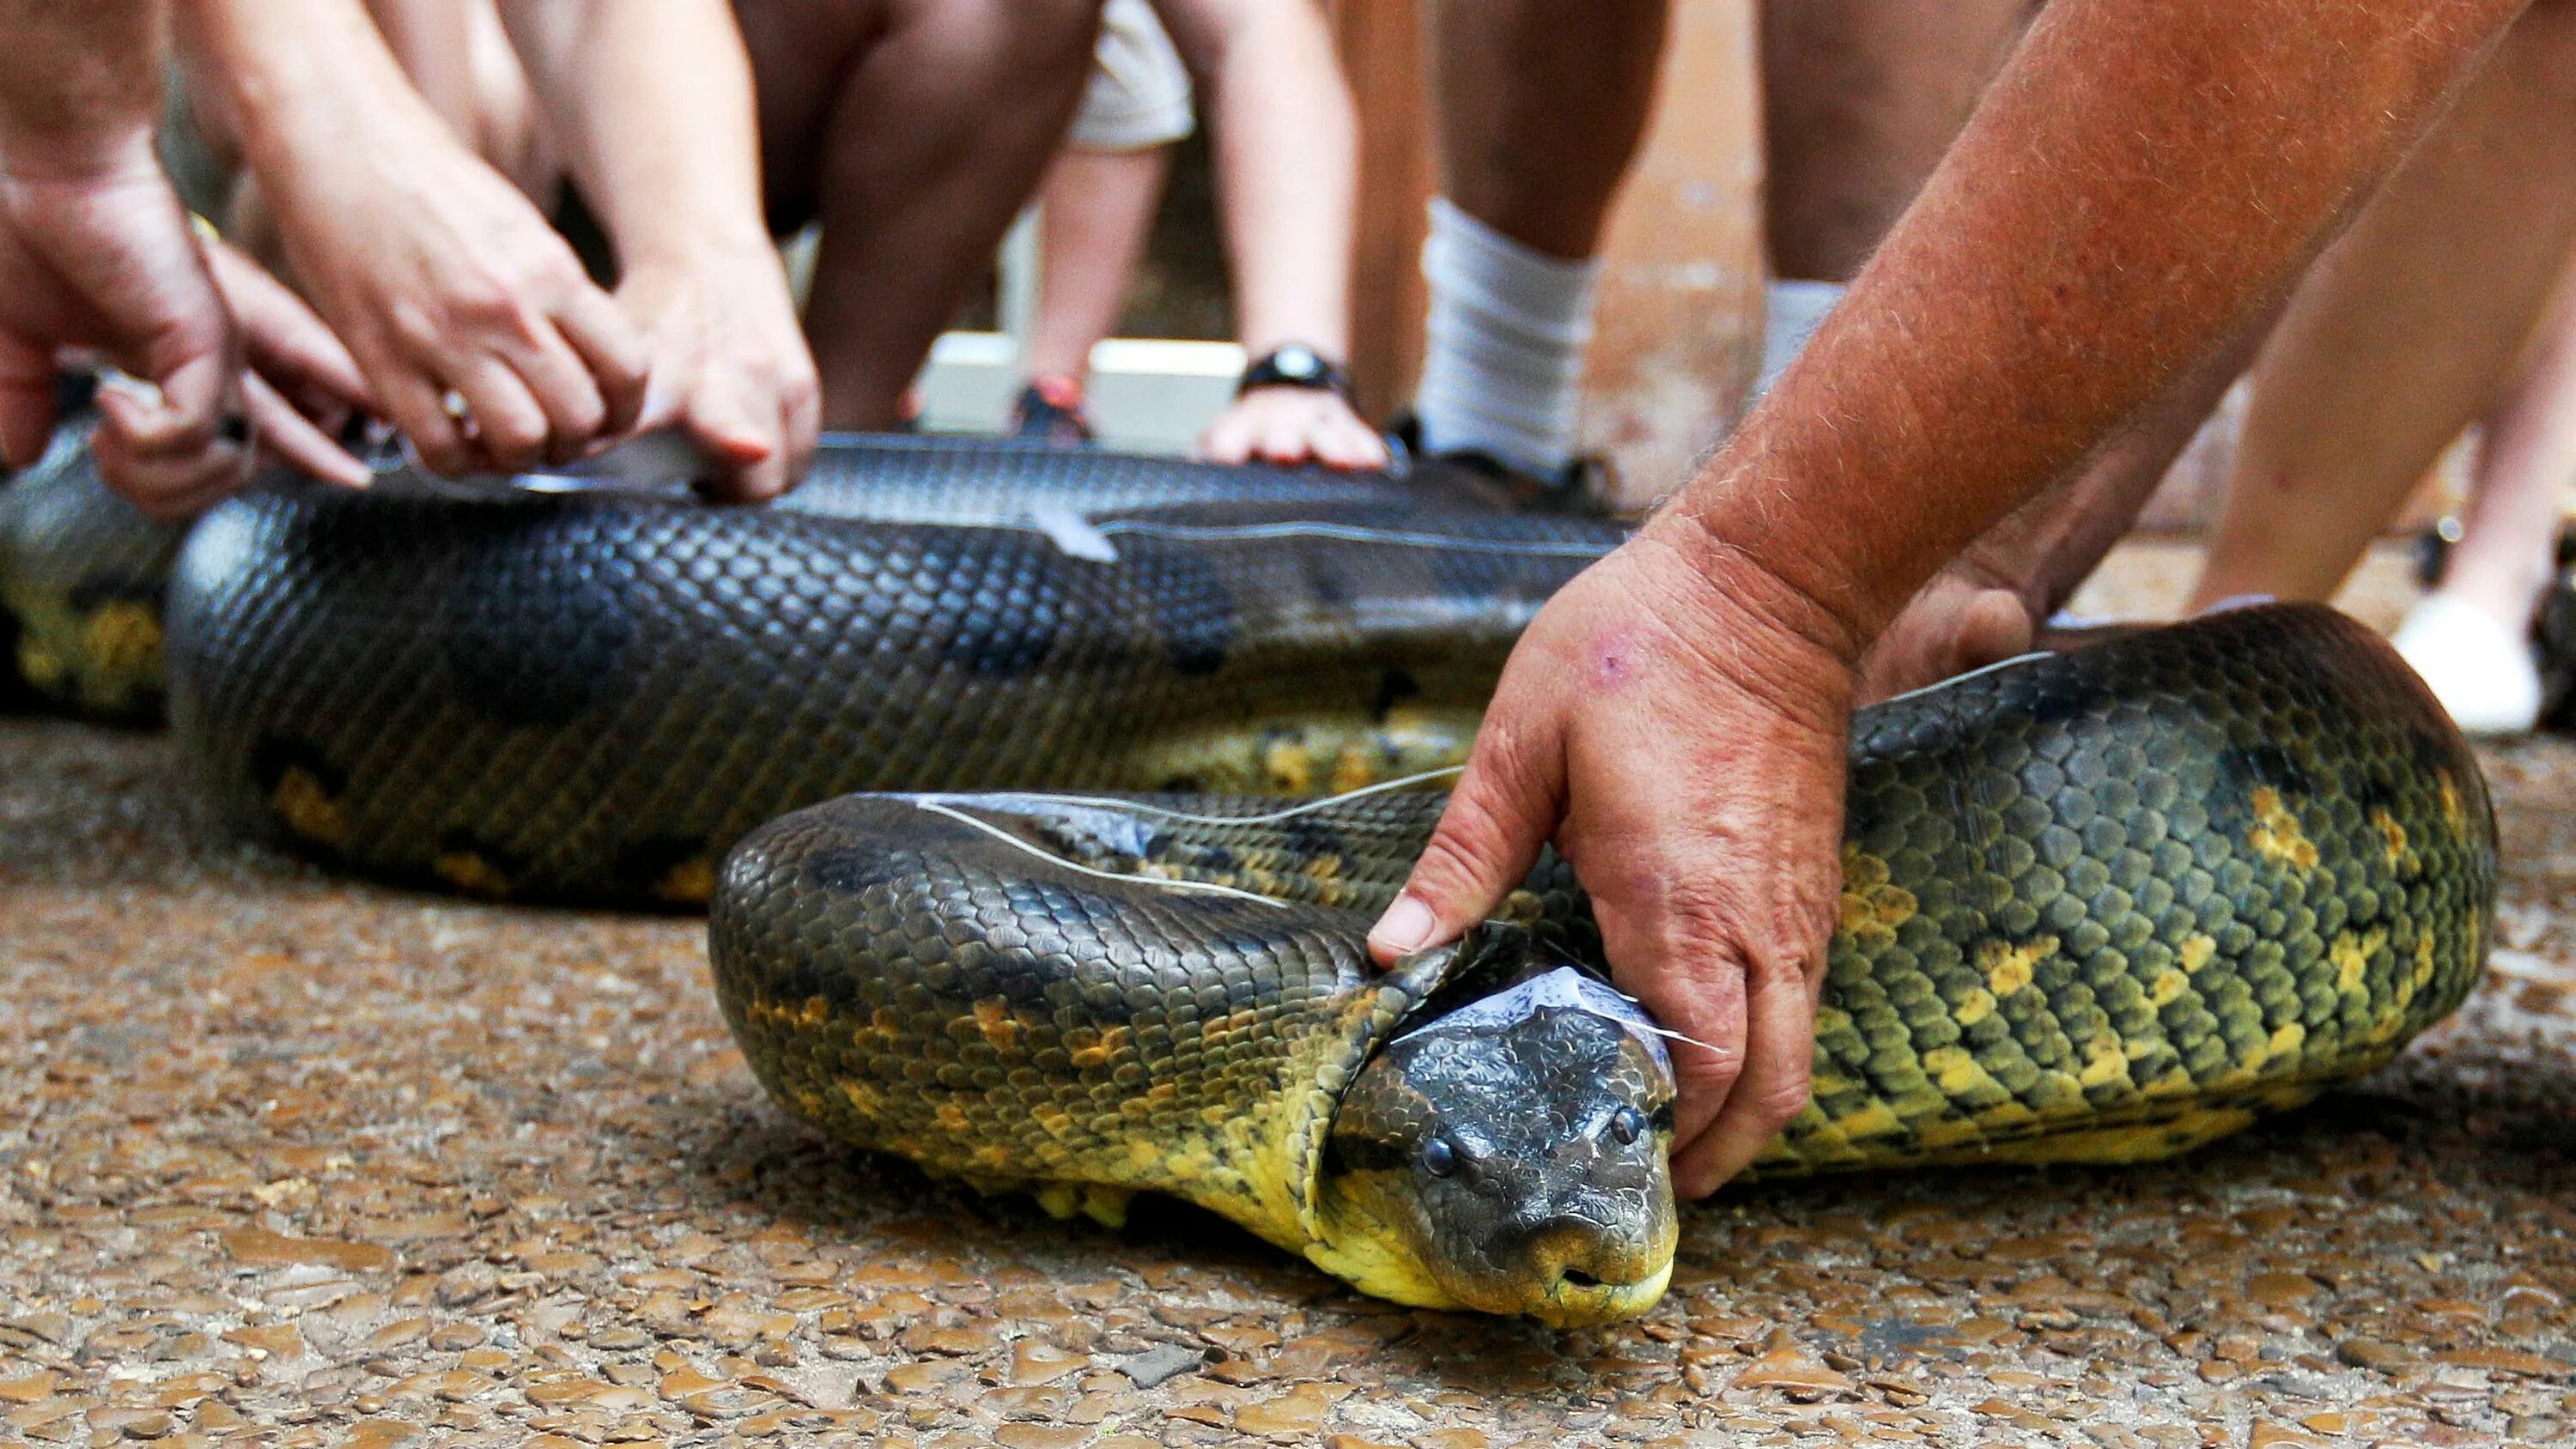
(2100, 906)
(2097, 906)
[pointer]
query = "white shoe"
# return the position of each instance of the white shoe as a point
(2482, 672)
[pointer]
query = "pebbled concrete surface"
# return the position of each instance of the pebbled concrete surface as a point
(291, 1160)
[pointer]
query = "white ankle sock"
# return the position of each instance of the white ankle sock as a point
(1504, 368)
(1791, 313)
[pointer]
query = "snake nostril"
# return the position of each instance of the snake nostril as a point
(1577, 1278)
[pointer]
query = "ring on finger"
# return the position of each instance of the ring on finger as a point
(460, 412)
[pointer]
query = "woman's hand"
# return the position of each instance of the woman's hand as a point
(729, 365)
(1290, 425)
(473, 320)
(300, 387)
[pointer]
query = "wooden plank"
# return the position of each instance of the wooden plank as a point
(1679, 321)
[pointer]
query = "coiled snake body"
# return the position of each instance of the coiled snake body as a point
(2097, 906)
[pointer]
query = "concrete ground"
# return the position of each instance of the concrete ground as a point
(293, 1160)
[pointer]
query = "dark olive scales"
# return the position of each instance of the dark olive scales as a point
(81, 582)
(589, 699)
(2097, 907)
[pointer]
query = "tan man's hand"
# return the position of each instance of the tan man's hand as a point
(102, 258)
(1676, 720)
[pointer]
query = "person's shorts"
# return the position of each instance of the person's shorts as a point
(1139, 96)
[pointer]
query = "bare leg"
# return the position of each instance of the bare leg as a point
(2407, 327)
(916, 129)
(1097, 213)
(1860, 99)
(1542, 104)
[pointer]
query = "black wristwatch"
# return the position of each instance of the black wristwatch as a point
(1295, 365)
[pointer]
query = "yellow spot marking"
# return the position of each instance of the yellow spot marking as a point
(2392, 836)
(813, 1011)
(993, 1019)
(2198, 951)
(1874, 1120)
(1947, 1132)
(1093, 1047)
(2168, 988)
(864, 1099)
(1351, 770)
(2423, 958)
(1290, 766)
(122, 640)
(2174, 1083)
(2108, 1063)
(1975, 1007)
(1871, 908)
(2450, 798)
(2008, 968)
(1952, 1069)
(43, 667)
(469, 872)
(690, 883)
(952, 1118)
(2275, 833)
(2351, 957)
(308, 809)
(2286, 1041)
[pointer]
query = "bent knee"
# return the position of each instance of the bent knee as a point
(1012, 43)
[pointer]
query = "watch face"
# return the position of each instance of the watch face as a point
(1297, 364)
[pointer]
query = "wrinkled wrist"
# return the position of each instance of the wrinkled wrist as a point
(1756, 627)
(1746, 570)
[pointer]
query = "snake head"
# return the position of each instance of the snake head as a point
(1513, 1166)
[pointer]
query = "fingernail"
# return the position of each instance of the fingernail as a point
(141, 392)
(1405, 928)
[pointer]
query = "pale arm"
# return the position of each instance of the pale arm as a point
(1287, 171)
(654, 103)
(450, 288)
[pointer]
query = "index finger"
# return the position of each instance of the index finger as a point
(612, 349)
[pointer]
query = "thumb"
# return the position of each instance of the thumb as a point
(1505, 807)
(745, 455)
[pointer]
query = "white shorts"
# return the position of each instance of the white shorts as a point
(1139, 96)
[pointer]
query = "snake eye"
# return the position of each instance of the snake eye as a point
(1627, 1124)
(1439, 1158)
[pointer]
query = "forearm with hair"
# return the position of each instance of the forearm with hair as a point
(2142, 178)
(654, 103)
(80, 83)
(295, 75)
(1287, 154)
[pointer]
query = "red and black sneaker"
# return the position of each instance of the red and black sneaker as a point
(1050, 411)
